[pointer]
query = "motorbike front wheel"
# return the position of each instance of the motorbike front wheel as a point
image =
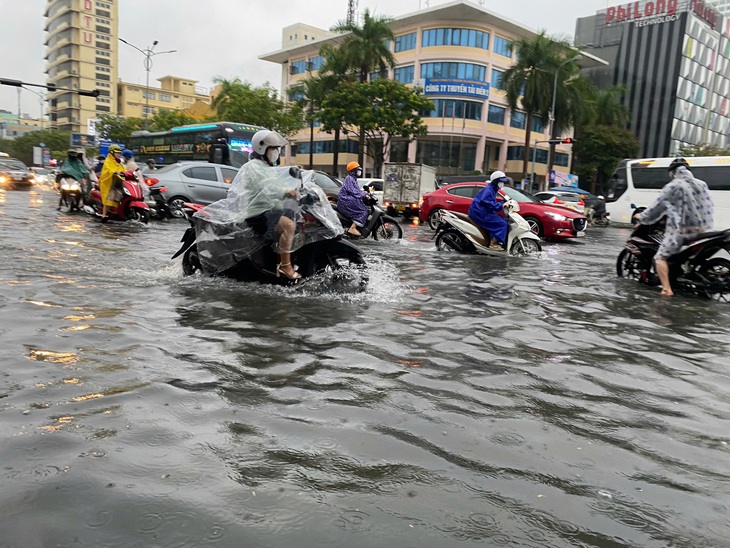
(343, 267)
(388, 229)
(627, 265)
(526, 246)
(453, 240)
(190, 261)
(717, 272)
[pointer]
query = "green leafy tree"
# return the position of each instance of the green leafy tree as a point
(22, 147)
(598, 151)
(365, 50)
(118, 128)
(164, 120)
(382, 110)
(529, 82)
(702, 150)
(242, 102)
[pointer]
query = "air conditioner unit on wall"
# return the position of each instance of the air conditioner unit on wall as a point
(74, 72)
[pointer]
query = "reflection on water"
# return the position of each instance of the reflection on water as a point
(536, 402)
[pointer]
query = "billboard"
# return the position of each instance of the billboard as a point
(463, 88)
(82, 140)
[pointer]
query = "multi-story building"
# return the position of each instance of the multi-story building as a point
(457, 52)
(12, 126)
(173, 94)
(673, 59)
(723, 6)
(81, 50)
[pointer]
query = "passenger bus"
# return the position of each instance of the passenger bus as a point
(218, 142)
(638, 183)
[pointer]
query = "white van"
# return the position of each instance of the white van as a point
(376, 184)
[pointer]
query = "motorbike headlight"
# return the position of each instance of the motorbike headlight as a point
(556, 216)
(74, 186)
(64, 185)
(126, 191)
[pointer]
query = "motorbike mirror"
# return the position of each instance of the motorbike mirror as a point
(633, 206)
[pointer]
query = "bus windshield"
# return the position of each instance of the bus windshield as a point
(219, 142)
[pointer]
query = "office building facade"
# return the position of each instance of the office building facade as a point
(81, 53)
(673, 59)
(173, 94)
(457, 53)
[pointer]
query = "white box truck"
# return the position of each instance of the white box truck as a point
(404, 185)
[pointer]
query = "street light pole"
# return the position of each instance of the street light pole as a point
(41, 100)
(148, 54)
(551, 153)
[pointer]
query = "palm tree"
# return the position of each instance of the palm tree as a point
(529, 81)
(311, 92)
(364, 50)
(609, 107)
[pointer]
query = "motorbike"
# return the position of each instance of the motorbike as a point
(155, 199)
(602, 220)
(379, 225)
(338, 260)
(695, 269)
(69, 189)
(132, 206)
(457, 232)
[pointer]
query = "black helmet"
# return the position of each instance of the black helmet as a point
(73, 153)
(678, 162)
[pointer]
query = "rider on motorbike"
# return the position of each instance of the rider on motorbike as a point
(486, 211)
(112, 164)
(350, 199)
(687, 205)
(74, 167)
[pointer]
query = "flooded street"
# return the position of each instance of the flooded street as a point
(460, 400)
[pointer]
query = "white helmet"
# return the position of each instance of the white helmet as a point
(497, 175)
(601, 198)
(264, 139)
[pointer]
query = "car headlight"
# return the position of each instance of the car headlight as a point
(3, 179)
(556, 216)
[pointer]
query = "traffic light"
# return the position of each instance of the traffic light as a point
(568, 141)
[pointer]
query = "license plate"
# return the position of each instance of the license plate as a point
(400, 208)
(581, 233)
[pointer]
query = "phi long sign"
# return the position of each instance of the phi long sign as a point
(666, 10)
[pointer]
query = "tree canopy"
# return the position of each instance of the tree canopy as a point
(22, 146)
(597, 152)
(381, 110)
(242, 102)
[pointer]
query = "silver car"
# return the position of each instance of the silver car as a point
(197, 182)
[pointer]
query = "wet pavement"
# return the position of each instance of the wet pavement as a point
(460, 400)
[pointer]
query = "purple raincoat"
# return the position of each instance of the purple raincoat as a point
(349, 201)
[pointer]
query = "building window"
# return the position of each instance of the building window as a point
(101, 61)
(317, 62)
(456, 37)
(149, 111)
(147, 94)
(104, 13)
(497, 76)
(102, 77)
(537, 125)
(105, 30)
(164, 97)
(561, 159)
(405, 42)
(404, 75)
(517, 120)
(455, 109)
(102, 45)
(495, 115)
(459, 71)
(502, 46)
(298, 67)
(101, 108)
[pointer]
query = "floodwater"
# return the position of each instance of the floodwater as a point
(461, 400)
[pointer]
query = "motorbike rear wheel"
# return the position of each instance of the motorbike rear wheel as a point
(526, 246)
(627, 265)
(453, 240)
(389, 229)
(717, 271)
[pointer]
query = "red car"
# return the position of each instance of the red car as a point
(547, 221)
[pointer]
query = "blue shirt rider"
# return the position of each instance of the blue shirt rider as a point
(486, 211)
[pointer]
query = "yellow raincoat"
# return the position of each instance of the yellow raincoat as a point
(106, 179)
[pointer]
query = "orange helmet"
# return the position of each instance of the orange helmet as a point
(351, 166)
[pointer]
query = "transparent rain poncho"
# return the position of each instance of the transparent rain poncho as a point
(231, 230)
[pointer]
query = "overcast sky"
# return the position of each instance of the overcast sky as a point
(225, 37)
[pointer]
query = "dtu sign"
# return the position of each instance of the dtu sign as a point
(86, 35)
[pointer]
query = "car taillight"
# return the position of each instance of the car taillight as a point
(557, 201)
(581, 203)
(414, 205)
